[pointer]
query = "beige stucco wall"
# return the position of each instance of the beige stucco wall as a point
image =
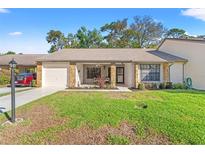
(129, 74)
(176, 72)
(195, 53)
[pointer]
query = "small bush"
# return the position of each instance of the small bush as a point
(100, 82)
(151, 86)
(179, 86)
(162, 85)
(141, 86)
(4, 80)
(165, 85)
(33, 83)
(168, 85)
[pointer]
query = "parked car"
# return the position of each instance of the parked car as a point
(24, 79)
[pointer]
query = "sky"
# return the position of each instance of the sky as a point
(25, 30)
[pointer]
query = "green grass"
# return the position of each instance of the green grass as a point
(178, 114)
(119, 140)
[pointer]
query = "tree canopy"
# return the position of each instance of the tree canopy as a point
(176, 33)
(8, 53)
(143, 32)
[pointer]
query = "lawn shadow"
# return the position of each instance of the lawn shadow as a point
(5, 113)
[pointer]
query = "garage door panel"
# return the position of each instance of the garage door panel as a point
(56, 77)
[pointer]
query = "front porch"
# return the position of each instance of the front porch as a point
(89, 74)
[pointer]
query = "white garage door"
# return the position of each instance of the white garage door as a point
(55, 77)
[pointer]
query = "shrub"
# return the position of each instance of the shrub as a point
(179, 86)
(168, 85)
(4, 80)
(100, 82)
(162, 85)
(151, 85)
(33, 83)
(165, 85)
(141, 86)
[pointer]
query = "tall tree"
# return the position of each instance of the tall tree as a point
(72, 41)
(201, 36)
(117, 33)
(56, 39)
(95, 39)
(176, 33)
(148, 31)
(89, 38)
(10, 53)
(82, 36)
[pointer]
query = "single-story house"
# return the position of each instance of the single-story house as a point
(25, 62)
(125, 67)
(194, 52)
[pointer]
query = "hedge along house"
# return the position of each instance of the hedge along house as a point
(125, 67)
(25, 62)
(194, 51)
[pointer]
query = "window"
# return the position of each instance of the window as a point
(93, 72)
(150, 72)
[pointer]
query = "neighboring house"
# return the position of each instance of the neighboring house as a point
(125, 67)
(194, 52)
(25, 62)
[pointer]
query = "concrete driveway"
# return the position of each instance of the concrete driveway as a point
(26, 97)
(8, 89)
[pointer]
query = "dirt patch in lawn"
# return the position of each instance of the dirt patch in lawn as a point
(89, 136)
(37, 118)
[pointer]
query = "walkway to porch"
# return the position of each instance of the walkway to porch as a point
(118, 89)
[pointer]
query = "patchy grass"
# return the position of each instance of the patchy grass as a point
(170, 117)
(119, 140)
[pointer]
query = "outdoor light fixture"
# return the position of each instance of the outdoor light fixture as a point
(12, 65)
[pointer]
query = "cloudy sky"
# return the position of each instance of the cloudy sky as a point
(24, 30)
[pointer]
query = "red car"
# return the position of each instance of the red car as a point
(24, 79)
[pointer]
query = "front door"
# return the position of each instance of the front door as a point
(120, 75)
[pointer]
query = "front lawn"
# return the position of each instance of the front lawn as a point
(144, 117)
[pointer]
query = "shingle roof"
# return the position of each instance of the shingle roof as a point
(110, 55)
(194, 40)
(21, 59)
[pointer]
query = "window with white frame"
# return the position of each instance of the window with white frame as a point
(150, 72)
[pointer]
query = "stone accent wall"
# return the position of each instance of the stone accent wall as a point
(165, 72)
(39, 74)
(136, 67)
(113, 75)
(72, 73)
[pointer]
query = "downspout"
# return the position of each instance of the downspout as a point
(170, 64)
(183, 79)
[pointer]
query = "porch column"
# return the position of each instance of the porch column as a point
(113, 75)
(103, 75)
(72, 76)
(165, 72)
(136, 75)
(39, 74)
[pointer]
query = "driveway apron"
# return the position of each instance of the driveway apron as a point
(26, 97)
